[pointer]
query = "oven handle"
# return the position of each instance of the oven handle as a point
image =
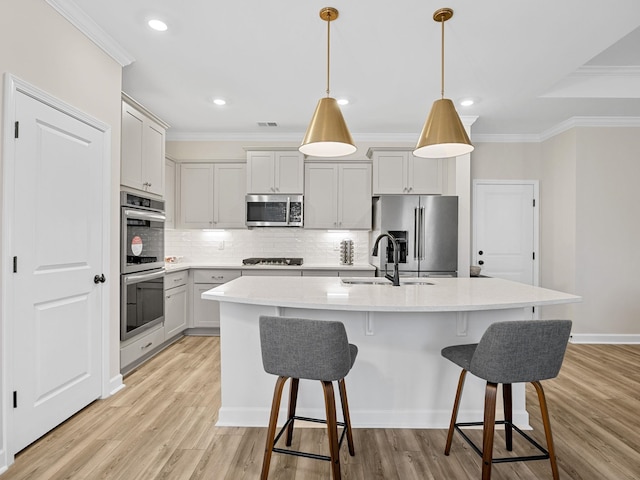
(144, 277)
(144, 215)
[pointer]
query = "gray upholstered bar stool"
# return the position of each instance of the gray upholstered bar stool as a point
(510, 352)
(309, 349)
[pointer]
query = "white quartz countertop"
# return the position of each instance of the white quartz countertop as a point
(329, 293)
(176, 267)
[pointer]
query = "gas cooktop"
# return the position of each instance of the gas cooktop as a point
(277, 261)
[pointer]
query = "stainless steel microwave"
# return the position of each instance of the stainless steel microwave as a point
(274, 210)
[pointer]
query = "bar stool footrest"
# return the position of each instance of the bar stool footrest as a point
(544, 456)
(299, 453)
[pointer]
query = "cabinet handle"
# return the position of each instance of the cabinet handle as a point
(168, 297)
(146, 346)
(221, 277)
(177, 280)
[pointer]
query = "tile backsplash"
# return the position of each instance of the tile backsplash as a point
(231, 246)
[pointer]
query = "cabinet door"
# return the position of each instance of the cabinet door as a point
(354, 196)
(289, 172)
(425, 175)
(320, 198)
(260, 172)
(230, 183)
(170, 193)
(390, 173)
(175, 311)
(206, 313)
(153, 158)
(196, 195)
(131, 147)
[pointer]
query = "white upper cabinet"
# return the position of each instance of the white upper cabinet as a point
(212, 195)
(142, 149)
(337, 195)
(275, 172)
(399, 172)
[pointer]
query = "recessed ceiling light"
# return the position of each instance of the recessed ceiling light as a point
(158, 25)
(343, 101)
(467, 102)
(219, 101)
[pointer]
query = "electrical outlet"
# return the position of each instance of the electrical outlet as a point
(221, 245)
(336, 246)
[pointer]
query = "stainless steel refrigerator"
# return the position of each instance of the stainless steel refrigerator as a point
(426, 228)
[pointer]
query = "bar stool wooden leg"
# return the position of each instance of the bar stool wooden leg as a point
(346, 415)
(547, 429)
(454, 414)
(332, 429)
(508, 415)
(488, 428)
(293, 400)
(271, 430)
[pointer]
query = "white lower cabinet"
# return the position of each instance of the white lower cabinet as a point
(206, 313)
(140, 346)
(175, 303)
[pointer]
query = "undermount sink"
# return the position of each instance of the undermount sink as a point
(364, 281)
(415, 281)
(383, 281)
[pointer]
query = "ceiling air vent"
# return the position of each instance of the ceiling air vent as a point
(267, 124)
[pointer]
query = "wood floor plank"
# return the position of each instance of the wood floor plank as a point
(162, 426)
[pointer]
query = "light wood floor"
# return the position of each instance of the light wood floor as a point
(162, 426)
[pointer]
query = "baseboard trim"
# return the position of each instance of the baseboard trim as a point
(605, 338)
(116, 384)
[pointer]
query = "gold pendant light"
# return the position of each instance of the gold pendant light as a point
(443, 134)
(327, 135)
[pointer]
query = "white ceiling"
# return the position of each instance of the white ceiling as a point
(531, 66)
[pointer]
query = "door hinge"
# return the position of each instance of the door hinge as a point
(16, 133)
(15, 399)
(15, 264)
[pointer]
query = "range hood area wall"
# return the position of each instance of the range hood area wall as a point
(231, 246)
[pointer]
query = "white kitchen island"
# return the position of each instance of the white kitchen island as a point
(399, 378)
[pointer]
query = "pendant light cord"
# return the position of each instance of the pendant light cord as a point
(328, 49)
(442, 59)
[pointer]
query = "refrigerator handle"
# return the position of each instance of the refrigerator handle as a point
(422, 235)
(416, 233)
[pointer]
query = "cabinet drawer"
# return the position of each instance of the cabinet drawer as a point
(175, 279)
(140, 347)
(215, 276)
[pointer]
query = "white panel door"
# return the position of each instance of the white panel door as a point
(58, 239)
(505, 230)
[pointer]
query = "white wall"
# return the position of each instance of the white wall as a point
(42, 48)
(589, 227)
(608, 230)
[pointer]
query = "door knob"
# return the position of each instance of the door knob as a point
(481, 262)
(480, 252)
(99, 279)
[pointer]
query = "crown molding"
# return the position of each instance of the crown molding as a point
(79, 19)
(177, 136)
(573, 122)
(505, 138)
(606, 71)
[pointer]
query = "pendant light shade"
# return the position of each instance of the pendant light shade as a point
(443, 134)
(327, 135)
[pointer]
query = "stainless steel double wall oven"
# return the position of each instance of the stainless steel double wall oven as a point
(142, 264)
